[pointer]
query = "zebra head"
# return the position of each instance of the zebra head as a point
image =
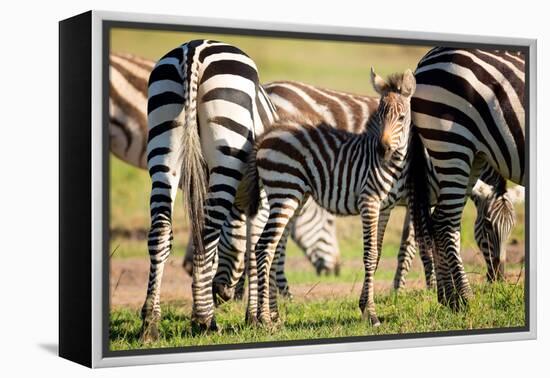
(494, 223)
(392, 118)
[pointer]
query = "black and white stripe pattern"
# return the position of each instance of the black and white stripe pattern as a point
(345, 173)
(129, 76)
(469, 111)
(494, 223)
(203, 114)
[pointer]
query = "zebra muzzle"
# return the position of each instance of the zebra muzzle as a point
(384, 151)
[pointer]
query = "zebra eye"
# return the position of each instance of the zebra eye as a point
(401, 117)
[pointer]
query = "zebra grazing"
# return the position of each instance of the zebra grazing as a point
(204, 110)
(469, 111)
(345, 173)
(350, 112)
(495, 220)
(313, 229)
(495, 211)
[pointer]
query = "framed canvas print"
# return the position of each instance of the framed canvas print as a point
(233, 189)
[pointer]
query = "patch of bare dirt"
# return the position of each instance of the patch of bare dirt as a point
(128, 278)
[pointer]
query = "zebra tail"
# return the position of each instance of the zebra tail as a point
(419, 196)
(194, 177)
(248, 192)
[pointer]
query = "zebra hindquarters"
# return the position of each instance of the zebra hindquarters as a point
(226, 140)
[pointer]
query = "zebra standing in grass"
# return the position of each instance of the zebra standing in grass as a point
(346, 173)
(469, 111)
(350, 112)
(313, 229)
(494, 222)
(204, 111)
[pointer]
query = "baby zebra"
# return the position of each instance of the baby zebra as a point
(345, 173)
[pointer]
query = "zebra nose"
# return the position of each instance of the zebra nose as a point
(384, 150)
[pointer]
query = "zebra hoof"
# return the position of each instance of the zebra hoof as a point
(198, 328)
(455, 299)
(374, 321)
(265, 320)
(251, 319)
(275, 318)
(149, 332)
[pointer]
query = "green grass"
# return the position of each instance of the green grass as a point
(493, 306)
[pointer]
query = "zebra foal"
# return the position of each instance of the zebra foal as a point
(345, 173)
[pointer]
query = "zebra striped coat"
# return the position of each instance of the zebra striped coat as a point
(469, 111)
(128, 130)
(128, 141)
(204, 111)
(345, 173)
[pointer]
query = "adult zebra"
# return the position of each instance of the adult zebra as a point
(128, 141)
(495, 219)
(128, 135)
(469, 111)
(204, 110)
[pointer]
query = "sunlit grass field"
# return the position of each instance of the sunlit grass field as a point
(494, 306)
(337, 65)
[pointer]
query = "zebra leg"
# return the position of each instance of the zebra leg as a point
(382, 223)
(217, 208)
(453, 288)
(370, 211)
(406, 254)
(231, 251)
(280, 255)
(280, 211)
(273, 308)
(251, 269)
(255, 227)
(165, 173)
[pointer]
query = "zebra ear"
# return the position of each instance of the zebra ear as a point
(378, 83)
(409, 84)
